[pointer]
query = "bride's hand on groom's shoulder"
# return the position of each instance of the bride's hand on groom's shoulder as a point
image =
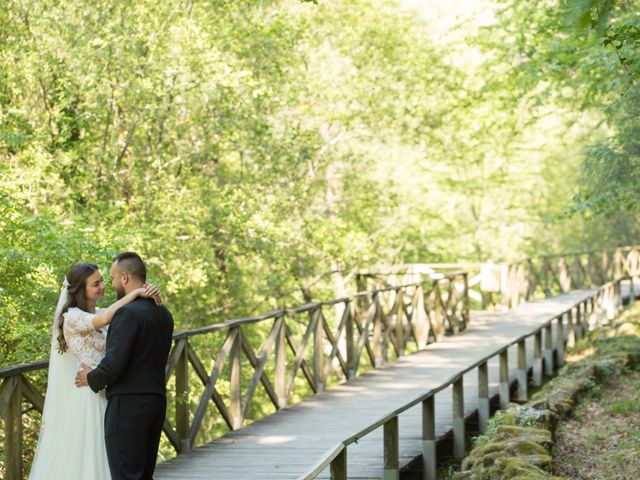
(151, 291)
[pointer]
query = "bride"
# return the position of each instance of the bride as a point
(71, 443)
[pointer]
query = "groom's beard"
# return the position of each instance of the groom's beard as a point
(120, 292)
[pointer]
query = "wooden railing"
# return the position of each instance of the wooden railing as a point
(276, 358)
(553, 274)
(548, 354)
(508, 284)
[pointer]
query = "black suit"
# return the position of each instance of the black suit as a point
(133, 370)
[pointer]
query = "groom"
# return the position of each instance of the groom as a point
(133, 370)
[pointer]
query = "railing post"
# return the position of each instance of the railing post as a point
(611, 303)
(513, 286)
(453, 322)
(182, 398)
(339, 466)
(484, 407)
(429, 458)
(13, 429)
(439, 328)
(458, 418)
(585, 319)
(504, 379)
(517, 285)
(352, 361)
(391, 450)
(537, 359)
(377, 338)
(560, 341)
(318, 354)
(607, 265)
(571, 329)
(594, 308)
(618, 267)
(578, 321)
(465, 308)
(421, 324)
(548, 350)
(385, 338)
(531, 284)
(281, 363)
(399, 311)
(522, 371)
(564, 277)
(235, 377)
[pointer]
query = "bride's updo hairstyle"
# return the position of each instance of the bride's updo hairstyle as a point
(77, 279)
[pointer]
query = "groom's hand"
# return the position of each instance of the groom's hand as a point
(81, 376)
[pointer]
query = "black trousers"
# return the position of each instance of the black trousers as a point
(132, 428)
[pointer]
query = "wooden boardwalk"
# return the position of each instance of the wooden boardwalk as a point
(288, 443)
(367, 427)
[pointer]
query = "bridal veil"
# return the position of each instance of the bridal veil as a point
(71, 442)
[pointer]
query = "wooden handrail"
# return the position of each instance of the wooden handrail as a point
(318, 341)
(375, 325)
(331, 454)
(539, 277)
(41, 364)
(24, 368)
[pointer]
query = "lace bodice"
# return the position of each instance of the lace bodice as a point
(85, 342)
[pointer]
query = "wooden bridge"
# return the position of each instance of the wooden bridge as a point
(390, 378)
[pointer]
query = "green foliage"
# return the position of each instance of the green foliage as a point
(611, 164)
(190, 137)
(257, 154)
(592, 14)
(36, 252)
(249, 149)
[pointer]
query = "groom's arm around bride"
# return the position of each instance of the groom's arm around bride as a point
(133, 372)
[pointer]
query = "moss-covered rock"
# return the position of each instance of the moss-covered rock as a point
(528, 434)
(509, 467)
(518, 442)
(510, 442)
(559, 396)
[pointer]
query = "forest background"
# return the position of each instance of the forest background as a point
(257, 153)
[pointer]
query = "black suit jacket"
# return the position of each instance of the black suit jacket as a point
(138, 345)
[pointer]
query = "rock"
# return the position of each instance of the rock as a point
(510, 467)
(524, 434)
(518, 442)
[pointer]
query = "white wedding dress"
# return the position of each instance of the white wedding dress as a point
(71, 443)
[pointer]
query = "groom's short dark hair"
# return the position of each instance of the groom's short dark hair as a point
(131, 263)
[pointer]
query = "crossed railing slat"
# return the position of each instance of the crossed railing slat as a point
(548, 355)
(299, 351)
(541, 277)
(390, 317)
(302, 349)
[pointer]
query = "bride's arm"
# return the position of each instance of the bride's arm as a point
(105, 316)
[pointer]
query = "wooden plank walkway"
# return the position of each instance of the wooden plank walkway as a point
(286, 444)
